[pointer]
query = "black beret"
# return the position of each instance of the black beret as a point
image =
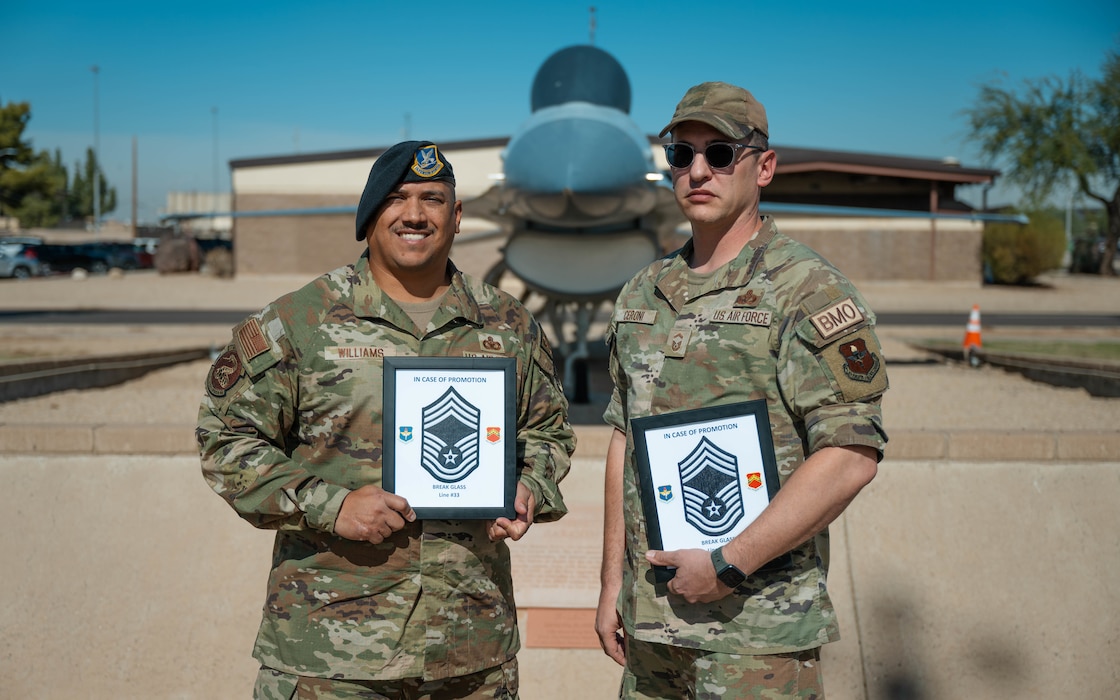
(408, 161)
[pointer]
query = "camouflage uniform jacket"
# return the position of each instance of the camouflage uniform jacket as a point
(291, 423)
(777, 323)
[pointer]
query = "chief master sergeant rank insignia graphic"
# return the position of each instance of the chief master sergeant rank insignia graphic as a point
(449, 448)
(713, 500)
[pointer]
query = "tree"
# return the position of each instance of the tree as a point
(1058, 133)
(32, 185)
(81, 189)
(1016, 254)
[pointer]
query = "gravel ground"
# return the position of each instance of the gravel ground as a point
(924, 394)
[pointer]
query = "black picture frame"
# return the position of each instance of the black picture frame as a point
(723, 446)
(445, 473)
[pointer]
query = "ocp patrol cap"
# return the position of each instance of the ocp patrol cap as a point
(408, 161)
(729, 109)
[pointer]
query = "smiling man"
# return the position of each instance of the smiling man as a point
(740, 313)
(364, 599)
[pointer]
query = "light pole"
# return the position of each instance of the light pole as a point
(214, 195)
(214, 112)
(96, 170)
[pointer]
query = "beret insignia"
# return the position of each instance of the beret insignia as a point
(426, 162)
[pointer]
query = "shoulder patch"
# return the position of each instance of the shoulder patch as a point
(251, 338)
(837, 318)
(856, 363)
(224, 373)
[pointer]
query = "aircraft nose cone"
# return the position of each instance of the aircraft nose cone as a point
(578, 147)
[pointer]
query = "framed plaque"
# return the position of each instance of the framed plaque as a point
(705, 474)
(449, 442)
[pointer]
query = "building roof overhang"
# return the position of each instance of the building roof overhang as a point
(793, 160)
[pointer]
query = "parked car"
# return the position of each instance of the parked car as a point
(70, 257)
(205, 245)
(122, 254)
(20, 261)
(147, 247)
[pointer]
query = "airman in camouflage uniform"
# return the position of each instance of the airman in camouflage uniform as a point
(362, 596)
(740, 313)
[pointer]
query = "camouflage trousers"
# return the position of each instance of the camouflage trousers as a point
(662, 671)
(499, 683)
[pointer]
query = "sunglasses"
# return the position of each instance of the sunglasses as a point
(718, 155)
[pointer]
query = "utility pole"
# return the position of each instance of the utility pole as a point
(96, 164)
(592, 8)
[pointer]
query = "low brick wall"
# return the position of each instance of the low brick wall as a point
(945, 250)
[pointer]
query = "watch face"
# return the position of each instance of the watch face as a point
(731, 577)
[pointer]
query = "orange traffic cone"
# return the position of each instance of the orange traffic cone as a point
(972, 336)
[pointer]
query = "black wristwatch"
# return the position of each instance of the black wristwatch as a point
(728, 574)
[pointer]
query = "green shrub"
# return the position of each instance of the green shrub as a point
(1016, 253)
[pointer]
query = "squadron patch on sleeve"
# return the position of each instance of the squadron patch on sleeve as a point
(224, 373)
(856, 363)
(860, 364)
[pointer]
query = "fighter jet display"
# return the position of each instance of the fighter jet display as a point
(580, 197)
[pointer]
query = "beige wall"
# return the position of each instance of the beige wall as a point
(280, 245)
(863, 249)
(893, 249)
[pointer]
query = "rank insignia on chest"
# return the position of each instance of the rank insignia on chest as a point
(405, 433)
(665, 493)
(490, 342)
(678, 341)
(749, 298)
(493, 434)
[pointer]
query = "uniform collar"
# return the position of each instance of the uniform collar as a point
(673, 278)
(371, 302)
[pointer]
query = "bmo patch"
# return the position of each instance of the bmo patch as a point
(837, 318)
(224, 373)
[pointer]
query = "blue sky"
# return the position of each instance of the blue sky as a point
(274, 78)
